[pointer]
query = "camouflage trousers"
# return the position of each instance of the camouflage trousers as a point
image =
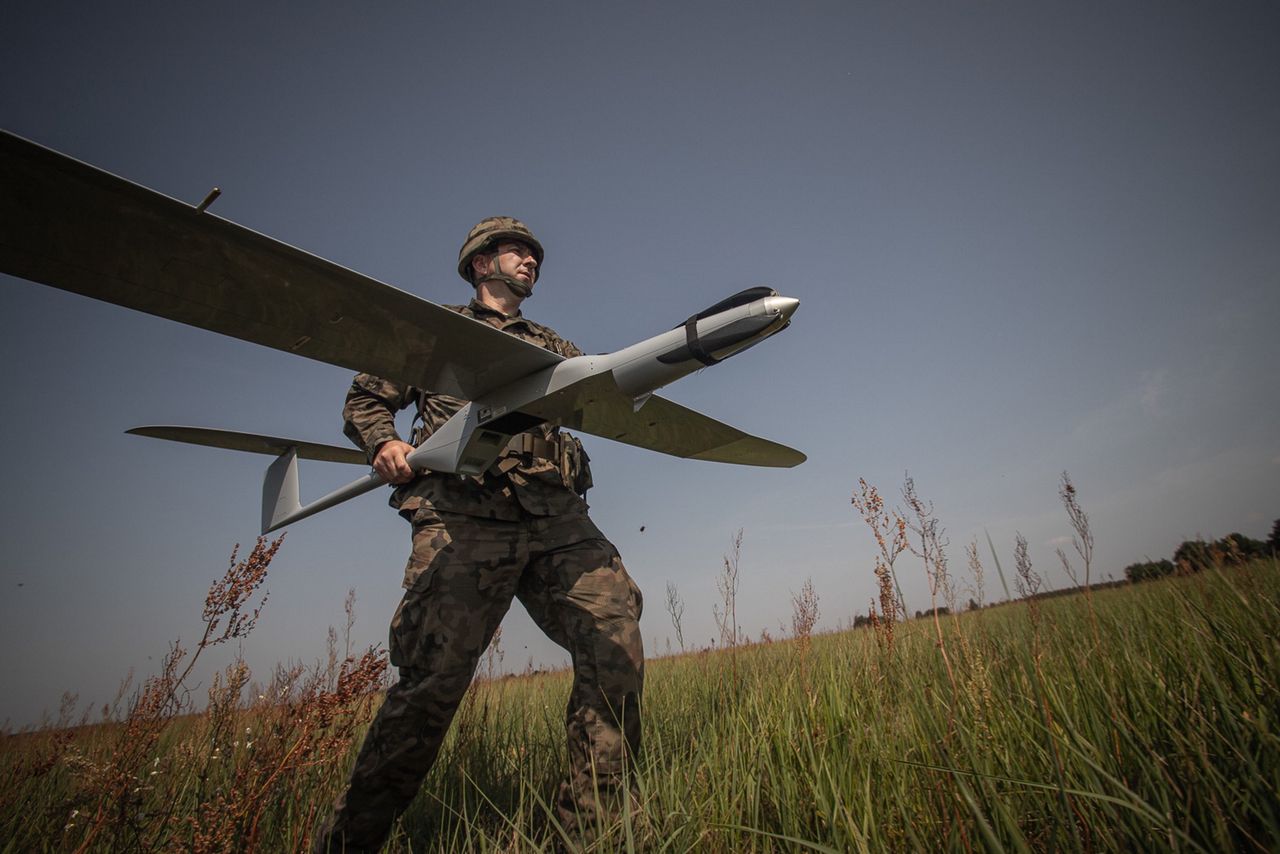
(460, 580)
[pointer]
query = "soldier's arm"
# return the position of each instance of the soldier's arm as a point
(369, 420)
(369, 415)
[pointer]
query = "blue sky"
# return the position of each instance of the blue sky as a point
(1026, 238)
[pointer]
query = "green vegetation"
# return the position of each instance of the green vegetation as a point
(1146, 720)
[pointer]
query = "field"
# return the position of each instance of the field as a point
(1142, 717)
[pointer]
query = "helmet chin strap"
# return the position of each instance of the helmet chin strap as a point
(519, 288)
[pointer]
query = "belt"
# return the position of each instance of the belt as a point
(527, 443)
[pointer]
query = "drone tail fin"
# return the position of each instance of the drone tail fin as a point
(280, 491)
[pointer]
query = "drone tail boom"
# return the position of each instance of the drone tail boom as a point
(280, 503)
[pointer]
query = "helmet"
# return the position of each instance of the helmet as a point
(488, 233)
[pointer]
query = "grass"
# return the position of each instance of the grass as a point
(1144, 719)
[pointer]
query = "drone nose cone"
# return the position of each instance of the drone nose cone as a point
(786, 306)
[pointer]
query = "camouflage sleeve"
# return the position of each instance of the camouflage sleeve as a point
(369, 416)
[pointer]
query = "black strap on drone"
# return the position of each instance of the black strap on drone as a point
(695, 344)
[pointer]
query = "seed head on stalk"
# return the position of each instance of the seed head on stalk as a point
(890, 532)
(230, 595)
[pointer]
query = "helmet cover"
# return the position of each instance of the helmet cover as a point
(488, 233)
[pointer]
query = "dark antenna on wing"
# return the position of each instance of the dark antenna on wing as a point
(208, 200)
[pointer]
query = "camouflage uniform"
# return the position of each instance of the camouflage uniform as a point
(518, 530)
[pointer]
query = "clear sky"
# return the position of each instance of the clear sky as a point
(1026, 237)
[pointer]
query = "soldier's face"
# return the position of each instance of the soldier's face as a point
(517, 260)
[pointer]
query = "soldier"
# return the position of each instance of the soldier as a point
(519, 530)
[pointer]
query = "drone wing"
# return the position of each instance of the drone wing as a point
(69, 225)
(597, 406)
(664, 426)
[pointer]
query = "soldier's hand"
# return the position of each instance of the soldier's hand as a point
(390, 461)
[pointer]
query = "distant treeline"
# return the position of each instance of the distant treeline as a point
(1198, 554)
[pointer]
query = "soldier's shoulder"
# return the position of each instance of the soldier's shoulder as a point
(558, 342)
(541, 328)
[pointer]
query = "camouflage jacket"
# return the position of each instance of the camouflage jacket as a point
(514, 483)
